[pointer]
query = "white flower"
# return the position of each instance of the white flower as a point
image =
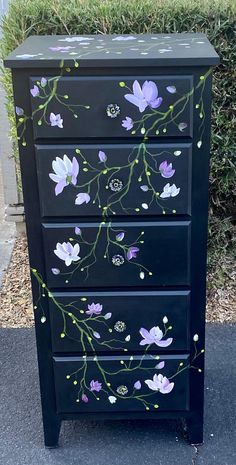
(43, 319)
(177, 153)
(127, 339)
(81, 198)
(107, 316)
(67, 252)
(56, 120)
(112, 399)
(199, 144)
(145, 206)
(142, 275)
(65, 172)
(195, 337)
(165, 320)
(170, 191)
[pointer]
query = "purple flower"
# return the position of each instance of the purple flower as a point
(67, 252)
(166, 169)
(120, 236)
(182, 126)
(43, 82)
(94, 309)
(65, 172)
(137, 385)
(19, 111)
(77, 231)
(160, 383)
(60, 48)
(127, 123)
(132, 252)
(82, 198)
(35, 91)
(55, 271)
(160, 365)
(56, 120)
(97, 335)
(147, 96)
(154, 336)
(95, 386)
(171, 89)
(102, 156)
(144, 188)
(84, 398)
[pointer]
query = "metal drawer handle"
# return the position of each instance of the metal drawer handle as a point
(113, 110)
(117, 260)
(116, 185)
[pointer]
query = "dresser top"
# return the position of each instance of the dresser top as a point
(180, 49)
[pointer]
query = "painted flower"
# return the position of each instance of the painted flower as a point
(67, 252)
(122, 390)
(65, 172)
(56, 120)
(120, 326)
(113, 110)
(145, 96)
(102, 156)
(83, 197)
(160, 383)
(144, 188)
(137, 385)
(120, 236)
(19, 111)
(35, 91)
(84, 398)
(132, 252)
(154, 336)
(116, 185)
(77, 231)
(171, 89)
(75, 39)
(166, 169)
(112, 399)
(127, 123)
(95, 386)
(43, 82)
(94, 309)
(55, 271)
(124, 38)
(96, 335)
(170, 191)
(107, 316)
(182, 126)
(61, 48)
(160, 365)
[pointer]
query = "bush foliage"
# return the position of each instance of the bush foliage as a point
(217, 19)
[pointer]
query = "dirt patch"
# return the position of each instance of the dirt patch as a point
(16, 302)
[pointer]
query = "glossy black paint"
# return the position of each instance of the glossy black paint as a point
(97, 93)
(158, 259)
(117, 155)
(67, 391)
(193, 61)
(137, 309)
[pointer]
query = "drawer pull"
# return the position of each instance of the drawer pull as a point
(116, 185)
(113, 110)
(117, 260)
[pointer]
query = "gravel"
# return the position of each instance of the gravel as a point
(16, 302)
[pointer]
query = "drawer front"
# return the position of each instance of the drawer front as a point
(128, 321)
(64, 107)
(119, 254)
(121, 384)
(122, 179)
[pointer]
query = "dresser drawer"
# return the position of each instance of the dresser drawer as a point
(124, 321)
(88, 180)
(118, 384)
(68, 107)
(118, 254)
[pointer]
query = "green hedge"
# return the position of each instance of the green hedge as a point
(215, 18)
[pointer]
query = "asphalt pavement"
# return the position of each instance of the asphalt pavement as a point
(114, 442)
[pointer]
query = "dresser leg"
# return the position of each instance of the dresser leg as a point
(51, 433)
(195, 429)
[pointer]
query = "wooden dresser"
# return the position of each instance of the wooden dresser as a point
(114, 135)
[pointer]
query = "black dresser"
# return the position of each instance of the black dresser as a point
(114, 136)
